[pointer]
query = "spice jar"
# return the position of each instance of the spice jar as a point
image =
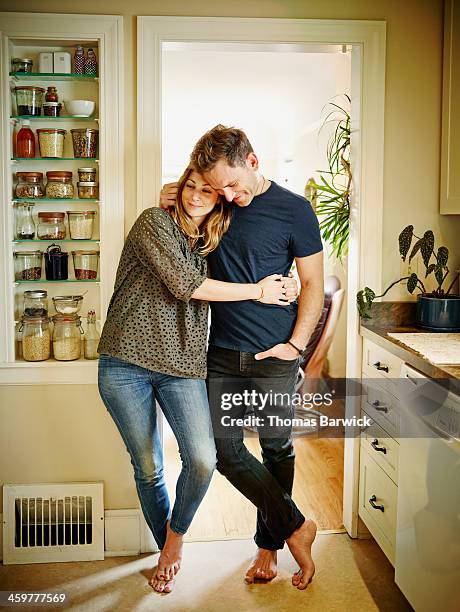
(51, 94)
(59, 184)
(52, 109)
(84, 142)
(27, 265)
(86, 175)
(67, 337)
(29, 100)
(81, 224)
(88, 190)
(51, 226)
(91, 340)
(51, 142)
(36, 303)
(30, 185)
(85, 264)
(56, 263)
(36, 338)
(21, 65)
(24, 226)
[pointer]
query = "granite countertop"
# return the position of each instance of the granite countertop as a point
(399, 317)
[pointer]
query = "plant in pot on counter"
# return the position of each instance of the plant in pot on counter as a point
(438, 310)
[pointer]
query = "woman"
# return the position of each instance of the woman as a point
(153, 348)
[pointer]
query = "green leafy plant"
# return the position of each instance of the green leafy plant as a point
(435, 263)
(333, 188)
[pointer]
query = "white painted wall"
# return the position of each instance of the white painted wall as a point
(278, 98)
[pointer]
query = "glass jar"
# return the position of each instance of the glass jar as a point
(51, 94)
(85, 264)
(24, 225)
(81, 224)
(67, 337)
(59, 184)
(27, 265)
(51, 226)
(86, 175)
(36, 303)
(30, 185)
(88, 190)
(52, 109)
(84, 142)
(92, 337)
(56, 263)
(51, 142)
(19, 64)
(29, 100)
(36, 338)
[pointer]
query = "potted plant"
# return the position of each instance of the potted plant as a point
(437, 310)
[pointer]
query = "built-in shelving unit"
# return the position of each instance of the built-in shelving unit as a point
(50, 33)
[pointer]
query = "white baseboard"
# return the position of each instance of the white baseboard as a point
(127, 533)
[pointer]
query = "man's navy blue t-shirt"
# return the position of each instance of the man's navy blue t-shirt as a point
(263, 239)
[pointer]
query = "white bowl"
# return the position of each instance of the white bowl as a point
(80, 108)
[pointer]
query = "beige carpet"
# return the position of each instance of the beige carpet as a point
(351, 576)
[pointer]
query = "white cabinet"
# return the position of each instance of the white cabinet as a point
(379, 449)
(26, 35)
(450, 149)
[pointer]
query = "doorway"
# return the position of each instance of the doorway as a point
(280, 96)
(367, 40)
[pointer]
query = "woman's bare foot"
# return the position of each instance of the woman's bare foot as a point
(263, 566)
(300, 546)
(168, 563)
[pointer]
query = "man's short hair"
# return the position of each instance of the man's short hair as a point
(228, 143)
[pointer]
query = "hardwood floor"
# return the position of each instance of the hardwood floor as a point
(225, 513)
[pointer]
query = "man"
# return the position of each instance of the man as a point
(270, 227)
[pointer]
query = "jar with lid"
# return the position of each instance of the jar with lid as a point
(88, 190)
(29, 185)
(51, 94)
(56, 263)
(52, 109)
(67, 337)
(36, 303)
(81, 223)
(87, 175)
(19, 64)
(59, 184)
(27, 265)
(51, 226)
(24, 223)
(36, 338)
(29, 100)
(91, 340)
(85, 142)
(85, 264)
(25, 141)
(51, 142)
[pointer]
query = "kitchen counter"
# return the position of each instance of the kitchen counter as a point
(399, 317)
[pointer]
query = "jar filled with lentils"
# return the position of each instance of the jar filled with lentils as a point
(85, 141)
(87, 175)
(28, 265)
(30, 185)
(59, 184)
(36, 338)
(67, 335)
(51, 226)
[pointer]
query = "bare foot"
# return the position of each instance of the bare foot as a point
(169, 562)
(300, 546)
(263, 566)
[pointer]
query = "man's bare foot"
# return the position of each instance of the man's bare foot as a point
(263, 566)
(300, 546)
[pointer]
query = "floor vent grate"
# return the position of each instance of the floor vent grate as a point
(53, 522)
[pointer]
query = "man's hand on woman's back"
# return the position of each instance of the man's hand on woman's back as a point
(168, 195)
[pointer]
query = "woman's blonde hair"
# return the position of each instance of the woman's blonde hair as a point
(213, 227)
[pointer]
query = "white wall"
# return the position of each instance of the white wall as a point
(277, 98)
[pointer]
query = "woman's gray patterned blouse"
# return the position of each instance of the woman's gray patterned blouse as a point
(151, 320)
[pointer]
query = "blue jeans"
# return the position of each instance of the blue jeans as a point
(129, 393)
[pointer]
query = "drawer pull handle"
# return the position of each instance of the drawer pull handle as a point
(375, 446)
(380, 407)
(372, 501)
(381, 366)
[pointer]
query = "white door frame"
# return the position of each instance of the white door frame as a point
(368, 91)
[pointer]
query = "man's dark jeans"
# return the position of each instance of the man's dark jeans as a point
(269, 485)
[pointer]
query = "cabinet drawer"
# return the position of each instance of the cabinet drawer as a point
(382, 448)
(381, 405)
(376, 488)
(379, 362)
